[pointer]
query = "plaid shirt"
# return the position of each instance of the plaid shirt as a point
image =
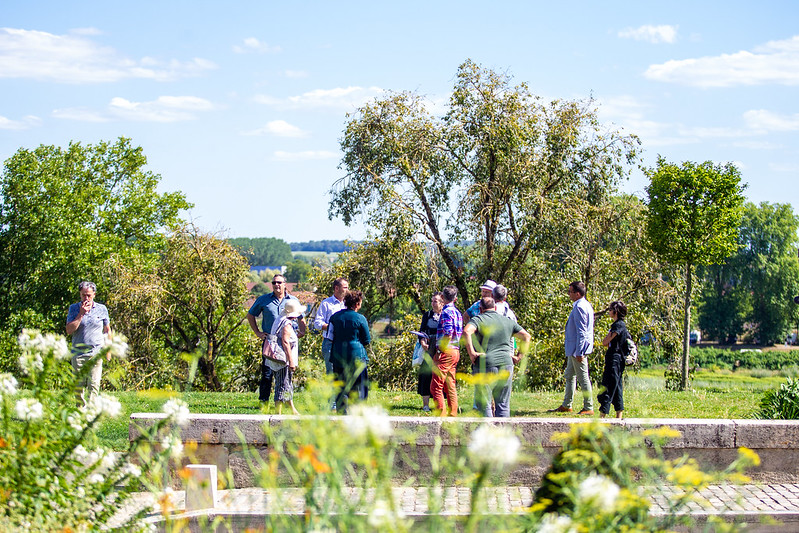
(450, 325)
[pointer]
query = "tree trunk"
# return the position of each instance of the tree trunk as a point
(686, 329)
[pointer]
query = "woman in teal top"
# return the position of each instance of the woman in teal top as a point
(348, 353)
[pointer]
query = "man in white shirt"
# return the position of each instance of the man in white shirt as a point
(328, 308)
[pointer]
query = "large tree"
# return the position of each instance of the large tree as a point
(490, 172)
(64, 211)
(502, 186)
(693, 219)
(191, 300)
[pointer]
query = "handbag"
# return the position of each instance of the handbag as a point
(273, 351)
(418, 355)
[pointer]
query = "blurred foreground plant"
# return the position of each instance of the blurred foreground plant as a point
(53, 476)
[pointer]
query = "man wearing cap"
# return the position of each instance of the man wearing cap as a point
(486, 289)
(271, 307)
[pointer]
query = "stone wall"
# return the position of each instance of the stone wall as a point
(713, 443)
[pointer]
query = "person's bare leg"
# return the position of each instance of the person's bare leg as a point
(293, 409)
(619, 414)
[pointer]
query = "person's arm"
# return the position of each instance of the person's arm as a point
(469, 330)
(423, 327)
(524, 345)
(303, 327)
(365, 336)
(582, 324)
(285, 341)
(254, 327)
(322, 316)
(608, 338)
(74, 324)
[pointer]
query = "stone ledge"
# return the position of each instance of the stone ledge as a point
(712, 442)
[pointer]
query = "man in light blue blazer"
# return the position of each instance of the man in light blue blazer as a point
(579, 344)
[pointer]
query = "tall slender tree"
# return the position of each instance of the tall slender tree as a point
(693, 219)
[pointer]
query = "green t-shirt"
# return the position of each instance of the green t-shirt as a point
(494, 336)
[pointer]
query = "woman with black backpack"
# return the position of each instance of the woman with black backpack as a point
(615, 361)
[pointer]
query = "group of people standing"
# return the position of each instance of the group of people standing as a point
(345, 336)
(493, 339)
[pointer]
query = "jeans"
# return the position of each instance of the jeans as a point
(499, 391)
(265, 385)
(444, 376)
(327, 346)
(578, 372)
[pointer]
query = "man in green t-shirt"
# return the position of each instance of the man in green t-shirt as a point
(489, 342)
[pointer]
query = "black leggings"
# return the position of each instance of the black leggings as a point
(612, 378)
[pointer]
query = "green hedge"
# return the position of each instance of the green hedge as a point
(728, 359)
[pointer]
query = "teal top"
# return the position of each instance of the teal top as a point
(350, 337)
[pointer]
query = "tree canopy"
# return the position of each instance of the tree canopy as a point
(694, 215)
(501, 186)
(263, 251)
(65, 211)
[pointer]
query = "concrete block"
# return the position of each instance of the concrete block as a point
(767, 433)
(200, 487)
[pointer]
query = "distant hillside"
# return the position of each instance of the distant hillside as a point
(320, 246)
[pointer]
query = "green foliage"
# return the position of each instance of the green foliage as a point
(298, 271)
(64, 212)
(781, 404)
(188, 300)
(694, 213)
(757, 283)
(500, 187)
(53, 476)
(321, 246)
(263, 251)
(603, 478)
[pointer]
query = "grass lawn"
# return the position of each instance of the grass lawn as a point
(714, 394)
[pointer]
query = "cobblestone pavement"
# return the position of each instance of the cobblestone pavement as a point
(745, 502)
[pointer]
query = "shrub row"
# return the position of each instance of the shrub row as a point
(726, 358)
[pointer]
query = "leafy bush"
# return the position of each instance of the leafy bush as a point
(52, 474)
(782, 403)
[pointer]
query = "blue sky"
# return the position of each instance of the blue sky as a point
(241, 105)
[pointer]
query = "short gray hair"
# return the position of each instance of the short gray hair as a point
(87, 285)
(500, 293)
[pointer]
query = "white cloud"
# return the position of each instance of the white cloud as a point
(652, 34)
(75, 58)
(278, 128)
(341, 98)
(163, 109)
(760, 119)
(776, 62)
(253, 45)
(304, 156)
(27, 122)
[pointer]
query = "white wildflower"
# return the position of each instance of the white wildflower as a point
(103, 404)
(364, 419)
(116, 345)
(178, 410)
(8, 385)
(75, 421)
(129, 469)
(173, 446)
(108, 461)
(598, 491)
(80, 453)
(29, 409)
(80, 492)
(57, 345)
(31, 361)
(96, 479)
(381, 516)
(554, 523)
(494, 445)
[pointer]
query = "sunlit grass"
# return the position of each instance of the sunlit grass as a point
(713, 394)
